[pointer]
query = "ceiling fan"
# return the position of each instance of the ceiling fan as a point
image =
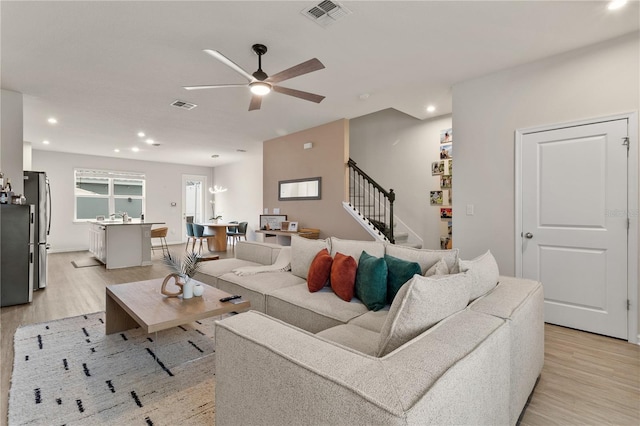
(260, 83)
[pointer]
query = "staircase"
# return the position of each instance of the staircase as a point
(372, 206)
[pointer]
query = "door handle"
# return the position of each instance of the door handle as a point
(528, 235)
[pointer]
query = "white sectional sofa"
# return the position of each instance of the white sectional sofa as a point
(312, 358)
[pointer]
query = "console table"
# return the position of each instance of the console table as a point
(282, 237)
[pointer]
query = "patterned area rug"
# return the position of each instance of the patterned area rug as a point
(69, 372)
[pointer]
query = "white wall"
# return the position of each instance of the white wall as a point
(11, 149)
(163, 186)
(243, 199)
(397, 150)
(597, 81)
(592, 82)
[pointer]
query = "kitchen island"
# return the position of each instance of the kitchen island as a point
(120, 244)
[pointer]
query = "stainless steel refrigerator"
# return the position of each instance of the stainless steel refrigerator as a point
(16, 254)
(37, 191)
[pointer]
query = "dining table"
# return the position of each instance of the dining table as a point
(218, 232)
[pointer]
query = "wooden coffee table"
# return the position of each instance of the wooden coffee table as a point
(141, 304)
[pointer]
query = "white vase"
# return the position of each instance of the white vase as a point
(187, 289)
(198, 289)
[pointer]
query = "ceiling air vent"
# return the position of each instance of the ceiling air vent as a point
(326, 12)
(183, 104)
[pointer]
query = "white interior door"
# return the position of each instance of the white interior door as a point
(193, 200)
(574, 223)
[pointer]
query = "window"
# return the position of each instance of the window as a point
(103, 193)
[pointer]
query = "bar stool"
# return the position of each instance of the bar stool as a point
(161, 233)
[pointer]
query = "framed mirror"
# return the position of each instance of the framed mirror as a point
(300, 189)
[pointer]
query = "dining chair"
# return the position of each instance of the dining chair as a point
(190, 237)
(241, 232)
(231, 231)
(200, 235)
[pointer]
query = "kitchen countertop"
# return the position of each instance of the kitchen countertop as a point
(120, 222)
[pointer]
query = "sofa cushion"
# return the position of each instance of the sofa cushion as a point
(343, 276)
(354, 248)
(400, 271)
(371, 281)
(425, 257)
(484, 273)
(255, 287)
(319, 271)
(440, 268)
(420, 304)
(303, 251)
(313, 312)
(354, 337)
(372, 320)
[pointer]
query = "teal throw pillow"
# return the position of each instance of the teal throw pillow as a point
(371, 281)
(399, 272)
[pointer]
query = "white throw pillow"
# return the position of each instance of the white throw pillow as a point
(354, 248)
(420, 304)
(484, 274)
(303, 251)
(440, 268)
(424, 257)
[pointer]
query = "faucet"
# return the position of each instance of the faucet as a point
(123, 215)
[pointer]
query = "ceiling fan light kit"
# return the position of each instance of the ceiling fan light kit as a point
(259, 88)
(260, 83)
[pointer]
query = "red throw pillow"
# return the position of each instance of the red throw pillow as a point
(319, 271)
(343, 276)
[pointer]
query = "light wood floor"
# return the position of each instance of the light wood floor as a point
(587, 379)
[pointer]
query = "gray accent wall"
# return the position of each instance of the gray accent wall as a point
(397, 150)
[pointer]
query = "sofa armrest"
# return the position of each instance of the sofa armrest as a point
(253, 251)
(271, 373)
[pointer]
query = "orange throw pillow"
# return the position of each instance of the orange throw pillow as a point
(319, 271)
(343, 276)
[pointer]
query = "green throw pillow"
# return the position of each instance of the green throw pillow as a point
(371, 281)
(399, 272)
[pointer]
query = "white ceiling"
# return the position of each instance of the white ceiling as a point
(107, 70)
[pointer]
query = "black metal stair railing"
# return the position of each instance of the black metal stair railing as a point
(372, 200)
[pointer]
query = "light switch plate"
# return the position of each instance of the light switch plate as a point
(470, 209)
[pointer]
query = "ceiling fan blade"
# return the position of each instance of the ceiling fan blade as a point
(228, 62)
(256, 102)
(297, 70)
(298, 94)
(213, 86)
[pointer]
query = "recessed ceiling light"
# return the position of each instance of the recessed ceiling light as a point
(45, 142)
(135, 149)
(52, 120)
(215, 156)
(141, 134)
(616, 4)
(431, 108)
(116, 150)
(149, 141)
(364, 96)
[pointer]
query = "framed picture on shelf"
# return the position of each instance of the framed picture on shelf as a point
(446, 135)
(272, 221)
(445, 181)
(446, 213)
(435, 198)
(446, 151)
(293, 227)
(437, 168)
